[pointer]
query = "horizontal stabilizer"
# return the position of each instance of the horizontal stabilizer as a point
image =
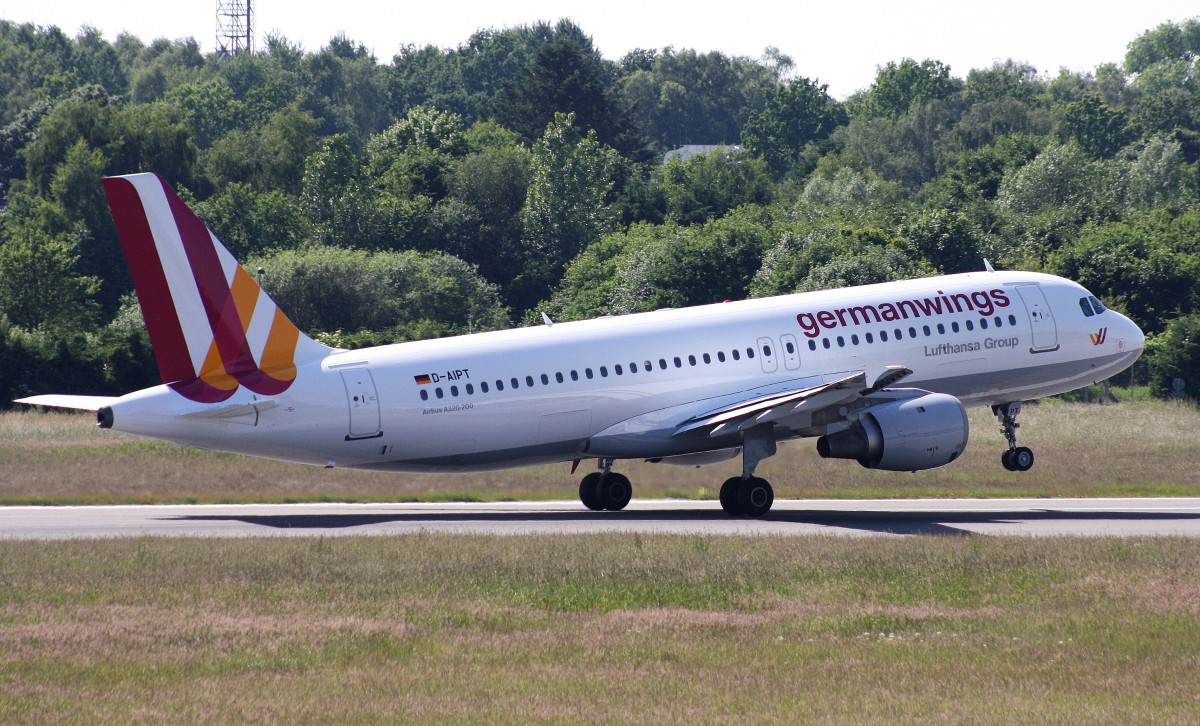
(62, 400)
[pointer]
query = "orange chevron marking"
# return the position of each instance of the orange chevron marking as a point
(278, 357)
(213, 371)
(245, 296)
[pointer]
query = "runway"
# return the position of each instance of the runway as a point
(860, 517)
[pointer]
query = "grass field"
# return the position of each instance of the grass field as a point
(612, 628)
(1145, 448)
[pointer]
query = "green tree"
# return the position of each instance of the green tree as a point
(40, 284)
(567, 206)
(899, 87)
(1176, 354)
(1099, 130)
(707, 186)
(795, 115)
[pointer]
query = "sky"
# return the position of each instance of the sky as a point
(841, 45)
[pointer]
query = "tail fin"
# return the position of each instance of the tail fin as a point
(211, 326)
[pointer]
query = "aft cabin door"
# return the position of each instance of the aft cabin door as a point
(364, 404)
(1041, 318)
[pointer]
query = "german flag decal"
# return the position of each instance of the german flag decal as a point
(423, 379)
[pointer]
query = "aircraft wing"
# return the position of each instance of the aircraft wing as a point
(791, 409)
(62, 400)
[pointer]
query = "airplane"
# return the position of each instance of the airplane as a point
(689, 386)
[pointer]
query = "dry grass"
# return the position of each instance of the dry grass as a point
(612, 628)
(1142, 448)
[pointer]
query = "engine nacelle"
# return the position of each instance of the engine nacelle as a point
(909, 435)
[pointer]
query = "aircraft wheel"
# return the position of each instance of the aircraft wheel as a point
(729, 492)
(589, 491)
(755, 497)
(1021, 459)
(614, 491)
(1006, 460)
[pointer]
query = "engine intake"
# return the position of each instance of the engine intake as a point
(908, 435)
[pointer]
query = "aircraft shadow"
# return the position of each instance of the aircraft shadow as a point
(940, 523)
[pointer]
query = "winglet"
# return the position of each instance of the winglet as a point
(212, 327)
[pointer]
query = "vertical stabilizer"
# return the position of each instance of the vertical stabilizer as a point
(212, 327)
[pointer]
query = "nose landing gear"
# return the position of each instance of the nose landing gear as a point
(1015, 458)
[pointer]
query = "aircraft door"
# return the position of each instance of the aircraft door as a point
(766, 352)
(791, 351)
(1041, 318)
(363, 402)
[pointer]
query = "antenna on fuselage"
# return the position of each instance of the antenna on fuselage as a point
(987, 265)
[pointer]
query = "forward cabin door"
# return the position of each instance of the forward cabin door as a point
(1041, 318)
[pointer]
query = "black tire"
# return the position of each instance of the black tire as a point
(614, 491)
(589, 491)
(729, 492)
(1006, 460)
(1022, 459)
(755, 497)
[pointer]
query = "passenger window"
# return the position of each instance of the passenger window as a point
(812, 345)
(749, 352)
(870, 338)
(1012, 319)
(470, 390)
(721, 355)
(662, 363)
(841, 342)
(574, 375)
(515, 384)
(499, 385)
(678, 363)
(925, 329)
(883, 335)
(483, 387)
(603, 371)
(912, 333)
(970, 325)
(439, 393)
(545, 380)
(707, 358)
(424, 395)
(767, 351)
(983, 323)
(941, 329)
(648, 366)
(1086, 306)
(588, 372)
(999, 323)
(454, 391)
(691, 360)
(529, 381)
(736, 354)
(790, 348)
(954, 326)
(558, 377)
(825, 342)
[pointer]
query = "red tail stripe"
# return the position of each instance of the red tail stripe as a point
(154, 294)
(214, 290)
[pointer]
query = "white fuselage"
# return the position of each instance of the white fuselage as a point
(617, 387)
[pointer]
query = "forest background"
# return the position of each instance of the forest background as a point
(472, 188)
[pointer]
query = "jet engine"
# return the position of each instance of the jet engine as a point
(913, 434)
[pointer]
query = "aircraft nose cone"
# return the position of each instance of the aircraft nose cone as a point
(1133, 336)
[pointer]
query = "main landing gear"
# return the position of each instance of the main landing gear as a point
(1015, 458)
(746, 495)
(605, 489)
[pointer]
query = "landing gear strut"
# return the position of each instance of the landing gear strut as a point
(605, 489)
(748, 495)
(1015, 458)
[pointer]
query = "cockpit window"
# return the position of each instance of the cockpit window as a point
(1099, 306)
(1086, 305)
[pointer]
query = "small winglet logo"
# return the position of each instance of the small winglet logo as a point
(1100, 337)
